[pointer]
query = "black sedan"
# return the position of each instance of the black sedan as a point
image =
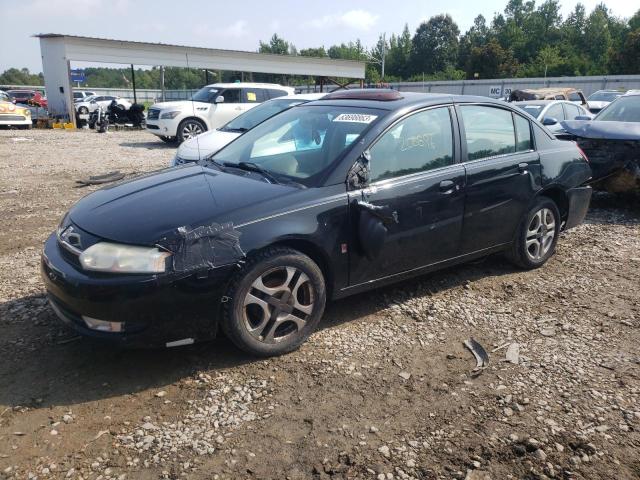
(327, 199)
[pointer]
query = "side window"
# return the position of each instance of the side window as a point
(420, 142)
(231, 95)
(560, 97)
(252, 95)
(575, 97)
(273, 93)
(572, 111)
(488, 131)
(523, 134)
(555, 111)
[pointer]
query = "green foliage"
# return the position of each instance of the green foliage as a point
(435, 45)
(13, 76)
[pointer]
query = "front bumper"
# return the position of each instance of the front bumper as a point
(579, 199)
(163, 128)
(15, 119)
(155, 309)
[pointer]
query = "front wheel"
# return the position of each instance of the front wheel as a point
(83, 110)
(167, 139)
(189, 129)
(275, 302)
(537, 235)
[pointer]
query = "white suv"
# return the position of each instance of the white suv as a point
(211, 107)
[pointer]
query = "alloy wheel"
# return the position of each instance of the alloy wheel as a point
(190, 130)
(278, 304)
(540, 234)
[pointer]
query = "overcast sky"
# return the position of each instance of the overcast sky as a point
(233, 25)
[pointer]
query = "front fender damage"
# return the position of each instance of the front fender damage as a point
(203, 248)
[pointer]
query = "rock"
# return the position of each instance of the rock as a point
(384, 450)
(161, 394)
(67, 418)
(548, 332)
(540, 455)
(559, 447)
(54, 432)
(149, 426)
(477, 475)
(405, 375)
(373, 429)
(513, 353)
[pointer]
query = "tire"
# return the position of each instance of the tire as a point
(275, 302)
(537, 235)
(167, 139)
(83, 110)
(189, 128)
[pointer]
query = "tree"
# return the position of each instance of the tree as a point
(319, 52)
(549, 57)
(14, 76)
(599, 40)
(491, 61)
(435, 45)
(397, 62)
(476, 37)
(278, 46)
(627, 60)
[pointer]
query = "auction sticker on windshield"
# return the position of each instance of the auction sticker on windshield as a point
(355, 118)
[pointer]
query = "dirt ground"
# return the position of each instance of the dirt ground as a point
(384, 390)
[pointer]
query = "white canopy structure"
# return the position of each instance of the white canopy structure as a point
(58, 50)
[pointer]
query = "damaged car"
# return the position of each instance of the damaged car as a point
(611, 141)
(324, 200)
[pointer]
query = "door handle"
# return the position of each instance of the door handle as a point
(447, 186)
(522, 167)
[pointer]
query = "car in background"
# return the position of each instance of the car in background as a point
(611, 141)
(12, 115)
(4, 97)
(210, 142)
(600, 99)
(80, 95)
(209, 108)
(90, 104)
(569, 94)
(371, 189)
(28, 97)
(551, 112)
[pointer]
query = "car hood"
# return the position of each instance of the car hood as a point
(143, 210)
(603, 130)
(205, 144)
(598, 104)
(180, 105)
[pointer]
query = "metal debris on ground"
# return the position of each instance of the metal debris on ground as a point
(482, 357)
(100, 179)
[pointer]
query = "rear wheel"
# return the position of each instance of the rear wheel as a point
(275, 302)
(189, 128)
(537, 235)
(83, 110)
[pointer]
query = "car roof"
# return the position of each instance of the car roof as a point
(304, 96)
(249, 85)
(408, 99)
(541, 103)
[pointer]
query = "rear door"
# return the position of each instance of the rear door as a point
(503, 174)
(252, 97)
(416, 183)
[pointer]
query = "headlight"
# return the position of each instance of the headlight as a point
(27, 112)
(173, 114)
(111, 257)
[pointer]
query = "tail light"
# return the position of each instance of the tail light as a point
(584, 155)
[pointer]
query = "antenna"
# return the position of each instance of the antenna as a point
(193, 112)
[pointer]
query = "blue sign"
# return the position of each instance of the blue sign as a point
(77, 75)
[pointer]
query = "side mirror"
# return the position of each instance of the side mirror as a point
(582, 117)
(548, 121)
(219, 99)
(358, 176)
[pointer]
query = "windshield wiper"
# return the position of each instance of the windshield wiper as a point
(210, 159)
(238, 130)
(252, 167)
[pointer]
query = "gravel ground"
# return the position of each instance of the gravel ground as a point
(385, 390)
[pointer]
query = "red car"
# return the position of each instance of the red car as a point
(28, 97)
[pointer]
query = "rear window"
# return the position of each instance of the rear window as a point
(273, 93)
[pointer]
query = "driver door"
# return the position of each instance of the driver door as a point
(228, 110)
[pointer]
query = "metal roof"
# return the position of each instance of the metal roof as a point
(106, 50)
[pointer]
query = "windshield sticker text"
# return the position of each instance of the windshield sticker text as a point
(355, 118)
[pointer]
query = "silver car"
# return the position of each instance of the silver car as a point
(551, 112)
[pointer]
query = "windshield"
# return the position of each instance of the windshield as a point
(624, 109)
(604, 96)
(259, 114)
(533, 110)
(300, 143)
(206, 94)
